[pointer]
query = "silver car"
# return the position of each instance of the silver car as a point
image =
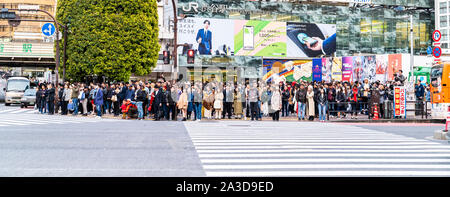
(28, 98)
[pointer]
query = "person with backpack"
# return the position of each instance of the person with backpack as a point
(140, 98)
(300, 97)
(321, 98)
(82, 99)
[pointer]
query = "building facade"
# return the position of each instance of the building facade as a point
(24, 50)
(442, 24)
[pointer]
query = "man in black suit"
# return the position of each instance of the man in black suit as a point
(50, 94)
(158, 101)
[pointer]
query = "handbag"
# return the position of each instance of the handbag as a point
(70, 107)
(217, 104)
(114, 98)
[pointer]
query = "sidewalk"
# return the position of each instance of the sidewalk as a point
(360, 119)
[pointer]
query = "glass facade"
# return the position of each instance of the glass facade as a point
(379, 28)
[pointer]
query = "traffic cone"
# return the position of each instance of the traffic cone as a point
(375, 112)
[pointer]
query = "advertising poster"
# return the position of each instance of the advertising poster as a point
(368, 68)
(310, 40)
(336, 69)
(287, 70)
(381, 68)
(317, 69)
(347, 66)
(358, 68)
(207, 36)
(399, 101)
(259, 38)
(326, 69)
(394, 65)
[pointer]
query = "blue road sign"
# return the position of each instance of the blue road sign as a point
(429, 50)
(48, 29)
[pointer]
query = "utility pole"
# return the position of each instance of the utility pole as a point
(175, 41)
(412, 49)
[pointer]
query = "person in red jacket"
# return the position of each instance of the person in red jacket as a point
(354, 101)
(128, 109)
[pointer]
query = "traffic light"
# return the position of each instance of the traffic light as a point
(191, 56)
(166, 57)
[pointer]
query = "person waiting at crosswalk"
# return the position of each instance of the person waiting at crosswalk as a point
(129, 109)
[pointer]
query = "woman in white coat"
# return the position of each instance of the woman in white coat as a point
(276, 104)
(218, 103)
(310, 101)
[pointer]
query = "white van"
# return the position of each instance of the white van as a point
(15, 88)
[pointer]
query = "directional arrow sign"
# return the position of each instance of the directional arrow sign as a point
(48, 29)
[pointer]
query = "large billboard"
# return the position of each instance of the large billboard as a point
(259, 38)
(207, 36)
(310, 40)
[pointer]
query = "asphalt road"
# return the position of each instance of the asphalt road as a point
(46, 146)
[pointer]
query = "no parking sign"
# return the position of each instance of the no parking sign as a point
(437, 35)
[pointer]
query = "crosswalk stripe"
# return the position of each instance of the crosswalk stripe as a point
(311, 140)
(310, 147)
(315, 150)
(307, 143)
(326, 166)
(325, 160)
(268, 155)
(328, 173)
(7, 110)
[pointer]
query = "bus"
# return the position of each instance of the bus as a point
(15, 88)
(440, 90)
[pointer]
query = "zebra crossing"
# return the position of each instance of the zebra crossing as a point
(12, 116)
(18, 111)
(313, 149)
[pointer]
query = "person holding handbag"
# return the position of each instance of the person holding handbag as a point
(83, 99)
(218, 103)
(115, 101)
(182, 103)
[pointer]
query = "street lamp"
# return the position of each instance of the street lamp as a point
(411, 31)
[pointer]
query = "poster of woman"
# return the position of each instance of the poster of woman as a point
(336, 69)
(369, 68)
(357, 67)
(326, 69)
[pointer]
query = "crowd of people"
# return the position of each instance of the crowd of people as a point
(171, 100)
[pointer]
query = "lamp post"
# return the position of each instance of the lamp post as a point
(412, 49)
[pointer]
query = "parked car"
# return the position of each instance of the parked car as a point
(28, 98)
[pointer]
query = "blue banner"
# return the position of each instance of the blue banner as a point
(317, 69)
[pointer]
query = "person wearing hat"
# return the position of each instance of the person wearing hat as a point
(204, 37)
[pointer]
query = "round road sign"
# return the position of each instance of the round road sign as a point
(437, 51)
(437, 35)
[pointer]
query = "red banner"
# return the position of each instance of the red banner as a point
(399, 101)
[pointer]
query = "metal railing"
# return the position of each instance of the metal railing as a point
(421, 108)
